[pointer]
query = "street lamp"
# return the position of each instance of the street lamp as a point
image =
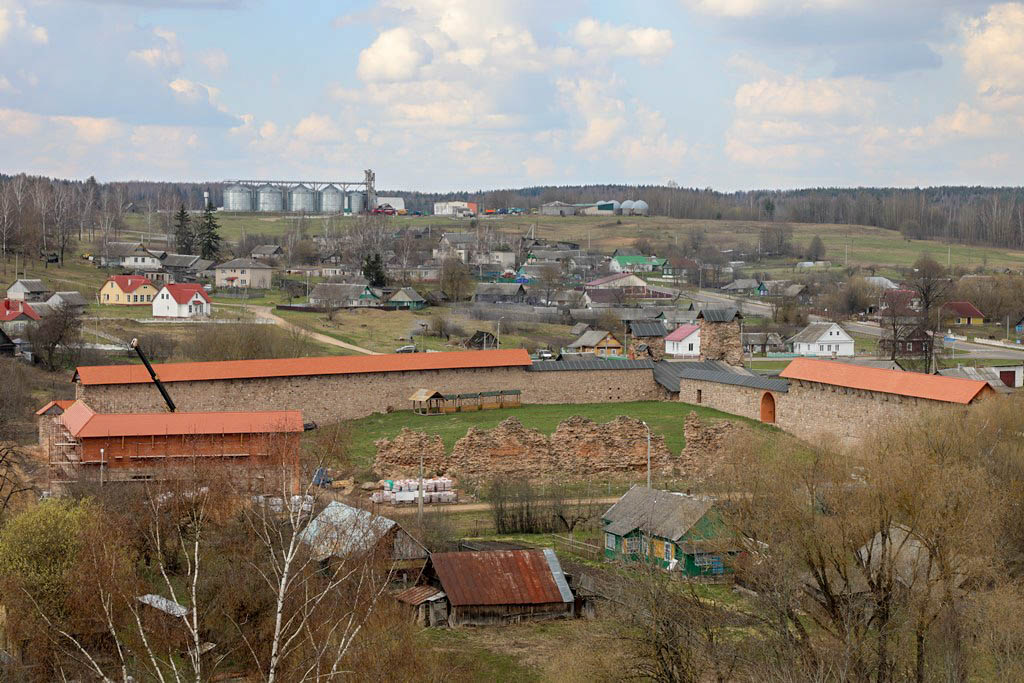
(499, 330)
(648, 428)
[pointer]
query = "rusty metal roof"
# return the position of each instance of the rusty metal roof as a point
(299, 367)
(500, 577)
(417, 595)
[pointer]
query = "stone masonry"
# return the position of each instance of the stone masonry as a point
(721, 341)
(331, 398)
(400, 457)
(579, 446)
(706, 445)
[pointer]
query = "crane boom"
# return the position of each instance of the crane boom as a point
(152, 373)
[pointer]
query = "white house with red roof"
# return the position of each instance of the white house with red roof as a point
(127, 290)
(683, 342)
(15, 316)
(181, 301)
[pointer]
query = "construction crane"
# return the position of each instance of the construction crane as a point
(152, 373)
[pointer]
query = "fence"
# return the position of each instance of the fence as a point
(574, 547)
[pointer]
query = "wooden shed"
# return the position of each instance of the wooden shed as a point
(428, 402)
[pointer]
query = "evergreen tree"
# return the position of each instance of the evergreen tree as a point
(184, 236)
(816, 251)
(208, 235)
(373, 270)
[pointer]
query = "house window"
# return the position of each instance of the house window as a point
(243, 271)
(632, 545)
(709, 563)
(609, 541)
(700, 395)
(821, 347)
(668, 551)
(691, 347)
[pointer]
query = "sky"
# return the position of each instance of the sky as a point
(444, 95)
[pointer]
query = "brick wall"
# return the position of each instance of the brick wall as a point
(817, 413)
(329, 398)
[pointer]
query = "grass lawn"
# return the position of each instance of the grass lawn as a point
(770, 364)
(664, 417)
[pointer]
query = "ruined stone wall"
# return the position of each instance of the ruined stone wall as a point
(817, 413)
(330, 398)
(578, 447)
(707, 445)
(721, 341)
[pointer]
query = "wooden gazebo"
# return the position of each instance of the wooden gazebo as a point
(428, 402)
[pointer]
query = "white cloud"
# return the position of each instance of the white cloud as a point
(749, 8)
(5, 85)
(966, 121)
(19, 123)
(994, 55)
(215, 60)
(91, 130)
(14, 18)
(317, 128)
(622, 41)
(538, 169)
(793, 96)
(165, 55)
(395, 55)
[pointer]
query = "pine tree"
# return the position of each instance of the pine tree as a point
(373, 270)
(208, 235)
(184, 236)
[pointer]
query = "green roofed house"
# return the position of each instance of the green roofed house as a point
(629, 263)
(678, 531)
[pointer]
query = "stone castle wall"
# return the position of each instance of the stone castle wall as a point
(331, 398)
(721, 341)
(817, 413)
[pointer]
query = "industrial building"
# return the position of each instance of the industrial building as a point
(304, 196)
(455, 208)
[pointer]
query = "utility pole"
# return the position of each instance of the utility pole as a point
(420, 513)
(648, 454)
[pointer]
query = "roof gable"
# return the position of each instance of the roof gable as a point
(817, 332)
(14, 310)
(719, 315)
(682, 332)
(660, 513)
(184, 293)
(129, 283)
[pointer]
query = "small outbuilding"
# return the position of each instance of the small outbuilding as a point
(428, 402)
(342, 531)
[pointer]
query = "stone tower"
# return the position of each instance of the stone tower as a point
(720, 335)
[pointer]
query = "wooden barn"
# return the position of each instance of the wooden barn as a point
(490, 587)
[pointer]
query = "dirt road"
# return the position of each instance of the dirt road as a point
(267, 313)
(466, 507)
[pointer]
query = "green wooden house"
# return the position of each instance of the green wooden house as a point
(677, 531)
(406, 298)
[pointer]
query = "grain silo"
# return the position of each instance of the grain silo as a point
(355, 202)
(269, 198)
(237, 198)
(302, 199)
(640, 208)
(332, 200)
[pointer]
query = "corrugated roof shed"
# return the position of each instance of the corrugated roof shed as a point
(912, 384)
(299, 367)
(499, 577)
(417, 595)
(341, 530)
(660, 513)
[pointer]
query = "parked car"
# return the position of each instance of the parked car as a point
(408, 348)
(544, 354)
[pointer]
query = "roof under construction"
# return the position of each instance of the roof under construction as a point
(302, 367)
(501, 577)
(83, 422)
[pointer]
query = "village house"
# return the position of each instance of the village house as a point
(1002, 379)
(823, 340)
(243, 273)
(28, 290)
(127, 290)
(597, 342)
(406, 299)
(914, 341)
(635, 264)
(675, 531)
(267, 252)
(490, 587)
(16, 316)
(742, 286)
(500, 293)
(331, 295)
(186, 267)
(73, 301)
(133, 256)
(962, 313)
(603, 298)
(258, 449)
(762, 343)
(181, 301)
(683, 342)
(458, 245)
(341, 532)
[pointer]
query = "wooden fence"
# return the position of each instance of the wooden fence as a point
(574, 547)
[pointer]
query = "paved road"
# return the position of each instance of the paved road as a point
(267, 312)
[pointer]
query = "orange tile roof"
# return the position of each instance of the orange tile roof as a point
(914, 384)
(12, 310)
(83, 422)
(129, 283)
(298, 367)
(183, 292)
(62, 403)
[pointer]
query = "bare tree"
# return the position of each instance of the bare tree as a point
(56, 338)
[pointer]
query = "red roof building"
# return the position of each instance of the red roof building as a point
(963, 313)
(185, 292)
(299, 367)
(896, 382)
(16, 311)
(261, 447)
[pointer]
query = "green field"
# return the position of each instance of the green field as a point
(664, 417)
